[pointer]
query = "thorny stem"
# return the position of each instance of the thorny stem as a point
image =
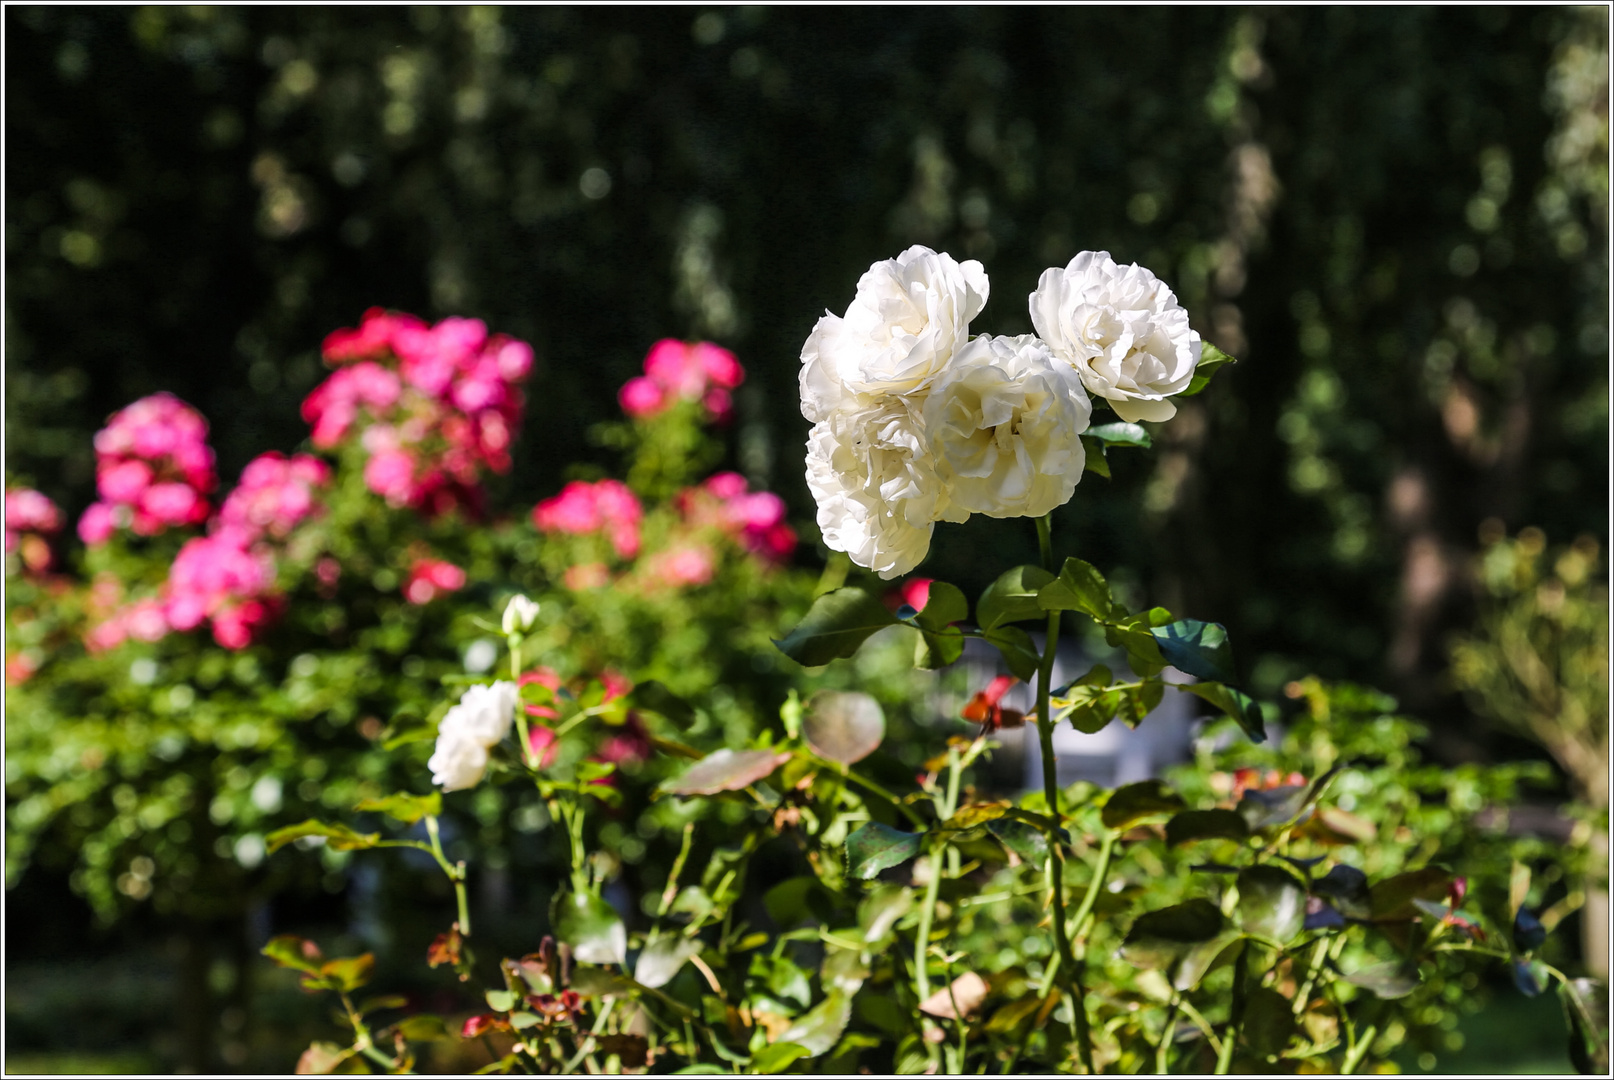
(1069, 972)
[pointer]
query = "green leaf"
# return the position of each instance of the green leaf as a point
(1210, 359)
(1079, 587)
(405, 807)
(1196, 648)
(836, 625)
(776, 1057)
(1134, 635)
(1391, 900)
(339, 837)
(1199, 960)
(1120, 434)
(1347, 887)
(726, 770)
(938, 648)
(796, 899)
(974, 816)
(1024, 840)
(944, 606)
(653, 696)
(1012, 597)
(843, 725)
(1159, 939)
(820, 1028)
(842, 969)
(881, 910)
(1272, 902)
(1269, 1021)
(1272, 806)
(784, 980)
(1018, 651)
(291, 951)
(662, 959)
(1091, 705)
(595, 982)
(589, 771)
(1135, 802)
(1388, 981)
(875, 847)
(1235, 703)
(1192, 825)
(1097, 462)
(422, 1028)
(1585, 1003)
(501, 1000)
(592, 928)
(1137, 702)
(348, 972)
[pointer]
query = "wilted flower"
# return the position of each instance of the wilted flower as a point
(1123, 331)
(1005, 423)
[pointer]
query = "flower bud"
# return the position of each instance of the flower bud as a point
(519, 615)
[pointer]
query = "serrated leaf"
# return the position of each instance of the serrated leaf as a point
(843, 725)
(1079, 587)
(875, 847)
(662, 959)
(1196, 648)
(1159, 939)
(1388, 981)
(1269, 1021)
(836, 625)
(1135, 802)
(592, 928)
(818, 1030)
(339, 837)
(405, 807)
(1391, 900)
(1120, 433)
(726, 770)
(1210, 360)
(1019, 653)
(1024, 840)
(1235, 703)
(1012, 597)
(1272, 902)
(881, 910)
(1192, 825)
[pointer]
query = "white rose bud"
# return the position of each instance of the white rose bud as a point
(519, 615)
(484, 714)
(1123, 331)
(909, 316)
(1005, 423)
(458, 762)
(870, 469)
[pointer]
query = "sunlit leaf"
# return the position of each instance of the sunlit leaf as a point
(1012, 597)
(1024, 840)
(881, 910)
(726, 770)
(339, 837)
(291, 951)
(1235, 703)
(1079, 587)
(422, 1028)
(820, 1028)
(836, 625)
(875, 847)
(592, 928)
(321, 1058)
(1196, 648)
(1019, 653)
(1389, 980)
(405, 807)
(662, 959)
(1158, 939)
(1137, 802)
(349, 972)
(1120, 433)
(774, 1058)
(1211, 360)
(1272, 902)
(843, 725)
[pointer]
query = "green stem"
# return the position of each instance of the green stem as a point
(875, 789)
(927, 912)
(1353, 1056)
(455, 872)
(1162, 1050)
(1070, 973)
(1100, 872)
(1235, 1017)
(587, 1047)
(1302, 998)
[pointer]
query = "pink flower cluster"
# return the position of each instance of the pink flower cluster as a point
(30, 517)
(428, 577)
(275, 494)
(677, 371)
(450, 409)
(755, 518)
(225, 578)
(583, 508)
(153, 469)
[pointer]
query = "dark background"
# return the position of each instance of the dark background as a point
(1396, 218)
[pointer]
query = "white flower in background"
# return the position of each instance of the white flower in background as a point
(1122, 329)
(1005, 422)
(458, 762)
(481, 719)
(870, 469)
(519, 615)
(910, 315)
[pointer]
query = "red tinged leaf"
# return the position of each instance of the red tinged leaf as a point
(445, 948)
(483, 1024)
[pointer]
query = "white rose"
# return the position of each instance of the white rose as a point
(909, 316)
(484, 714)
(1122, 329)
(1005, 423)
(459, 760)
(519, 615)
(870, 469)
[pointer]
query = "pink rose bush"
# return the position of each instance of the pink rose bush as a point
(676, 371)
(605, 507)
(153, 470)
(30, 518)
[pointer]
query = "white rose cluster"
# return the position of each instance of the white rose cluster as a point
(468, 731)
(914, 422)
